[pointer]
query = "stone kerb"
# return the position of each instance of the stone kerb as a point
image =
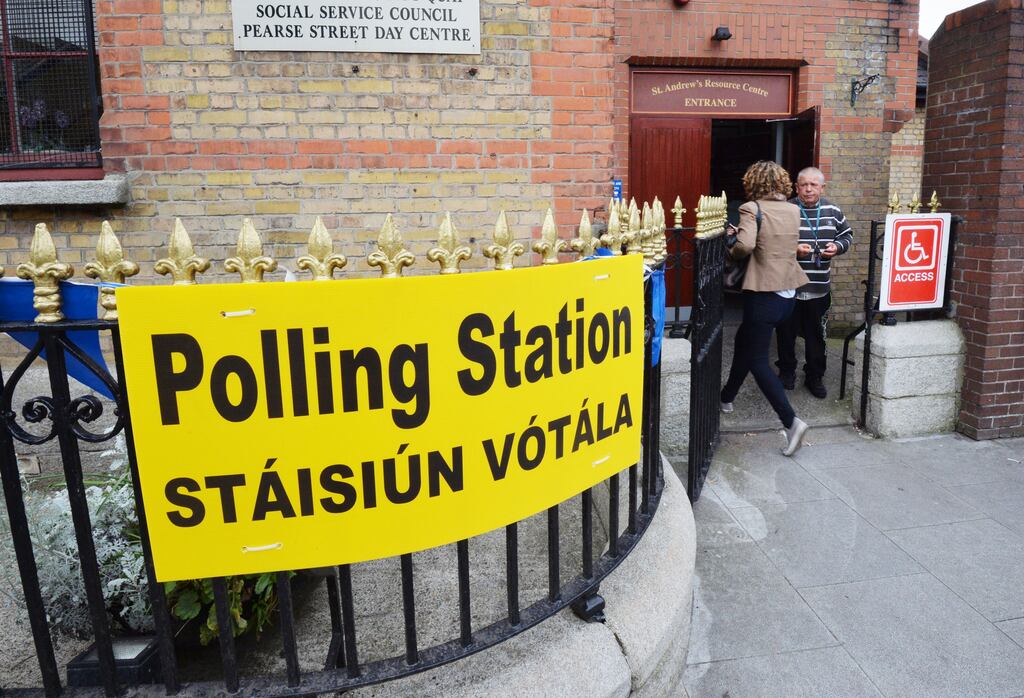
(675, 397)
(640, 650)
(915, 378)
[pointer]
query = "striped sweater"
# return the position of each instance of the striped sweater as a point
(832, 228)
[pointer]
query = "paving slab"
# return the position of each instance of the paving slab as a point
(864, 452)
(1004, 501)
(743, 607)
(894, 496)
(914, 637)
(823, 542)
(715, 524)
(752, 410)
(981, 561)
(811, 673)
(952, 459)
(1014, 629)
(749, 470)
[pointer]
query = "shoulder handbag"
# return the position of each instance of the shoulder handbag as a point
(736, 269)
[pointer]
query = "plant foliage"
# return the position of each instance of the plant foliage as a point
(115, 532)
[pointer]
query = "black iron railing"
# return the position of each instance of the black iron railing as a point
(678, 261)
(67, 419)
(705, 333)
(871, 303)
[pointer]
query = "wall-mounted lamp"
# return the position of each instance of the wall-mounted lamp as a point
(858, 86)
(721, 34)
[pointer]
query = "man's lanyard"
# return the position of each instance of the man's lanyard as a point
(817, 222)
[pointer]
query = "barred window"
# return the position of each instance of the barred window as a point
(49, 91)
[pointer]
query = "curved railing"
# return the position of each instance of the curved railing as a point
(631, 503)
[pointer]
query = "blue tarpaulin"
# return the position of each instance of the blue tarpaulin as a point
(657, 304)
(79, 302)
(658, 311)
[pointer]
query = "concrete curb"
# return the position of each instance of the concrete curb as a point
(640, 649)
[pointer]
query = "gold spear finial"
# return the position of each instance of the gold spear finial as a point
(586, 244)
(934, 204)
(181, 263)
(549, 244)
(632, 234)
(109, 267)
(647, 223)
(660, 244)
(677, 213)
(708, 216)
(894, 203)
(249, 261)
(915, 203)
(390, 255)
(504, 249)
(613, 238)
(449, 253)
(46, 272)
(321, 261)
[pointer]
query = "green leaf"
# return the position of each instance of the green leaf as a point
(188, 606)
(169, 587)
(206, 591)
(264, 582)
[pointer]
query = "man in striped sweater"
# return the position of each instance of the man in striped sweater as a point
(824, 233)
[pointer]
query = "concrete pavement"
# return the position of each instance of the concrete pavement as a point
(859, 568)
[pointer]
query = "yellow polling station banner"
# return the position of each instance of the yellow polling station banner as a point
(284, 426)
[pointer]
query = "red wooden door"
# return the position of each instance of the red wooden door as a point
(670, 156)
(800, 142)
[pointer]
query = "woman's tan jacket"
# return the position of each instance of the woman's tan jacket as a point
(772, 265)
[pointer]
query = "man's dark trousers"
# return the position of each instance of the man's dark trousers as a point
(808, 321)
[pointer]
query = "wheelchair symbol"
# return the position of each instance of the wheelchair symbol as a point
(914, 253)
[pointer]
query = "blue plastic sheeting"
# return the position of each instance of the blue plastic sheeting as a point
(79, 302)
(658, 311)
(657, 302)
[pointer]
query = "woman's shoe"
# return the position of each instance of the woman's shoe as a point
(727, 407)
(794, 436)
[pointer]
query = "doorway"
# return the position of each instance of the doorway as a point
(671, 155)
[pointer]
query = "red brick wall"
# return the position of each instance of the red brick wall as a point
(838, 41)
(538, 119)
(973, 156)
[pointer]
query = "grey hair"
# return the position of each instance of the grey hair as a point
(811, 172)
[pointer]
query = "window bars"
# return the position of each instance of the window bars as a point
(49, 88)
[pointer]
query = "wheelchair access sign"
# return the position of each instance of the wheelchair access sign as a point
(914, 261)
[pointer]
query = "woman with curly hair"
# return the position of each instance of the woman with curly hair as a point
(768, 234)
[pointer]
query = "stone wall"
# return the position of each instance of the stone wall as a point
(972, 158)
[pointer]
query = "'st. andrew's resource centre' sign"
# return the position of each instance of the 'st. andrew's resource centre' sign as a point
(286, 426)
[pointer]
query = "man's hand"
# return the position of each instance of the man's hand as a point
(830, 251)
(803, 249)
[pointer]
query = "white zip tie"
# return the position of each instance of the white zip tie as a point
(602, 277)
(600, 461)
(238, 313)
(261, 548)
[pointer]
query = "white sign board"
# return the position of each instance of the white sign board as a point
(914, 261)
(373, 26)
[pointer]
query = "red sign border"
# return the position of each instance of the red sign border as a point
(884, 304)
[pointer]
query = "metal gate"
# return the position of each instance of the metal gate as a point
(705, 334)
